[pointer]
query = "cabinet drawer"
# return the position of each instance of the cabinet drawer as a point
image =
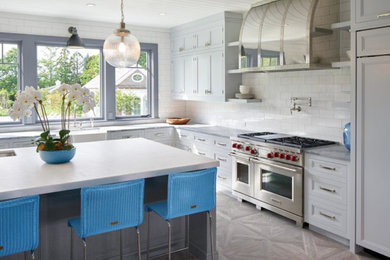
(372, 11)
(204, 151)
(185, 136)
(222, 143)
(22, 143)
(224, 178)
(373, 42)
(327, 169)
(326, 189)
(203, 139)
(156, 134)
(327, 217)
(125, 134)
(225, 161)
(4, 145)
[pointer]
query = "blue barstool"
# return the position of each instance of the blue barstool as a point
(188, 193)
(19, 226)
(108, 208)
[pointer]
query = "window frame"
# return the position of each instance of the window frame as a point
(88, 45)
(6, 40)
(152, 80)
(28, 76)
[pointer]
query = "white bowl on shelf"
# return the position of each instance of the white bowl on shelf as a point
(245, 89)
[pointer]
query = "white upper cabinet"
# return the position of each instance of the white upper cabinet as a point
(200, 49)
(372, 13)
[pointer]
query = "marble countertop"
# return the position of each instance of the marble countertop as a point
(95, 163)
(338, 152)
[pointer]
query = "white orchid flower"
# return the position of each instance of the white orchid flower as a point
(64, 89)
(25, 100)
(17, 111)
(73, 96)
(85, 92)
(34, 94)
(81, 100)
(75, 88)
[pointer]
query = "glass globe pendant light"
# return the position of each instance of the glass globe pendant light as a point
(121, 49)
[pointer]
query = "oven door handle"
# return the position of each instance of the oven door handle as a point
(239, 157)
(274, 165)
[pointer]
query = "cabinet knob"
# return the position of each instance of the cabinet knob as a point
(181, 49)
(207, 44)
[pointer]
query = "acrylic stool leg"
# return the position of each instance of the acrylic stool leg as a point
(85, 249)
(71, 243)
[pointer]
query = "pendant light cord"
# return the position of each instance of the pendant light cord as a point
(122, 15)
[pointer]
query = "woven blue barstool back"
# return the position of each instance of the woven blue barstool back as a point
(111, 207)
(191, 193)
(19, 225)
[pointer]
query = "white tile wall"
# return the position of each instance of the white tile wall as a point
(330, 91)
(28, 24)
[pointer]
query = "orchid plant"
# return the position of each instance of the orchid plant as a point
(31, 98)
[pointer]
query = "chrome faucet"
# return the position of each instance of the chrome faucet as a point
(296, 107)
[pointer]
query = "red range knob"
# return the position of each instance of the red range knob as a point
(294, 158)
(288, 157)
(276, 154)
(247, 148)
(253, 151)
(234, 145)
(281, 156)
(269, 155)
(239, 146)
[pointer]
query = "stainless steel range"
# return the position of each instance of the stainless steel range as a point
(268, 171)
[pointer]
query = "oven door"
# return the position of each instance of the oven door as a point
(242, 177)
(280, 185)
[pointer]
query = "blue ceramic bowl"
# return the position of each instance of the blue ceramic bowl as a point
(56, 157)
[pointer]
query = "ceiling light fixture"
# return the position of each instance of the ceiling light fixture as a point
(121, 49)
(74, 41)
(90, 4)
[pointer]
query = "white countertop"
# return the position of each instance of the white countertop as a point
(94, 163)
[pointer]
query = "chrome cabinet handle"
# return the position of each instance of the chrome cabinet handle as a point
(220, 159)
(382, 15)
(207, 91)
(223, 178)
(239, 157)
(181, 49)
(327, 216)
(201, 139)
(221, 144)
(327, 168)
(207, 44)
(158, 134)
(184, 135)
(328, 190)
(200, 153)
(128, 137)
(275, 200)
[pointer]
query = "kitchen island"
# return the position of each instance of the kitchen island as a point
(97, 163)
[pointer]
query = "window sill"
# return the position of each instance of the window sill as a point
(97, 123)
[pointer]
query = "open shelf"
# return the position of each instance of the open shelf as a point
(321, 32)
(244, 101)
(341, 64)
(233, 44)
(346, 26)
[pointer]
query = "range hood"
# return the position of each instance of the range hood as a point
(279, 35)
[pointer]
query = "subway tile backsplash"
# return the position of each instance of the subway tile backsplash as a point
(330, 91)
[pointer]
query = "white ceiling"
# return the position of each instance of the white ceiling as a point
(137, 12)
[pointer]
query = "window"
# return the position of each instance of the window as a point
(58, 65)
(133, 88)
(9, 70)
(123, 94)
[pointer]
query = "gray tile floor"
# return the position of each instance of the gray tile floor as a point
(245, 233)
